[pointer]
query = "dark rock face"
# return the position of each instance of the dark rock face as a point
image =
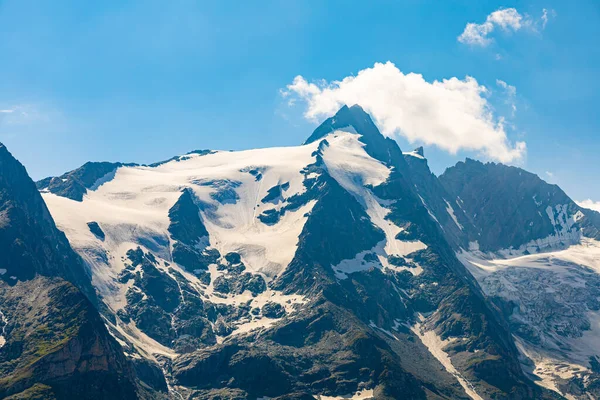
(224, 191)
(300, 357)
(273, 310)
(56, 343)
(56, 338)
(189, 232)
(167, 307)
(186, 225)
(235, 281)
(181, 158)
(274, 194)
(436, 199)
(150, 374)
(30, 243)
(156, 284)
(75, 184)
(161, 293)
(96, 230)
(509, 207)
(337, 229)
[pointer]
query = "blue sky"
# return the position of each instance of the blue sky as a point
(142, 81)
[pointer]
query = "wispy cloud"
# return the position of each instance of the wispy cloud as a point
(4, 113)
(452, 114)
(546, 15)
(508, 20)
(511, 94)
(590, 204)
(510, 90)
(12, 115)
(29, 119)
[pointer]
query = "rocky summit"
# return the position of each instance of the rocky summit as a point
(342, 268)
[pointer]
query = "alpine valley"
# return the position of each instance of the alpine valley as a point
(342, 268)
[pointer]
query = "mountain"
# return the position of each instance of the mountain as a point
(53, 341)
(535, 253)
(30, 242)
(324, 269)
(510, 208)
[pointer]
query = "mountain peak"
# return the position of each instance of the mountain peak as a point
(346, 116)
(30, 242)
(417, 153)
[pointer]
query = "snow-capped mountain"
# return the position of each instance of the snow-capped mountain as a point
(218, 265)
(340, 268)
(536, 255)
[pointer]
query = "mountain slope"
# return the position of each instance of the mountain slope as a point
(444, 207)
(30, 243)
(510, 208)
(316, 266)
(535, 254)
(54, 343)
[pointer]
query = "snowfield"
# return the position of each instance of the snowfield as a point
(131, 206)
(556, 314)
(132, 209)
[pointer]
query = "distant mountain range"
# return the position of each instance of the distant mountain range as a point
(340, 268)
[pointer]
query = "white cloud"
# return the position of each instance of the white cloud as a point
(550, 174)
(590, 204)
(507, 19)
(452, 114)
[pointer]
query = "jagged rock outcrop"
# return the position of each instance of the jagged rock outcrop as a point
(443, 206)
(30, 243)
(55, 337)
(510, 208)
(55, 344)
(75, 184)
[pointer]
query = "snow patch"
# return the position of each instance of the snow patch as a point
(385, 331)
(350, 165)
(429, 211)
(450, 211)
(414, 154)
(436, 346)
(364, 394)
(4, 322)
